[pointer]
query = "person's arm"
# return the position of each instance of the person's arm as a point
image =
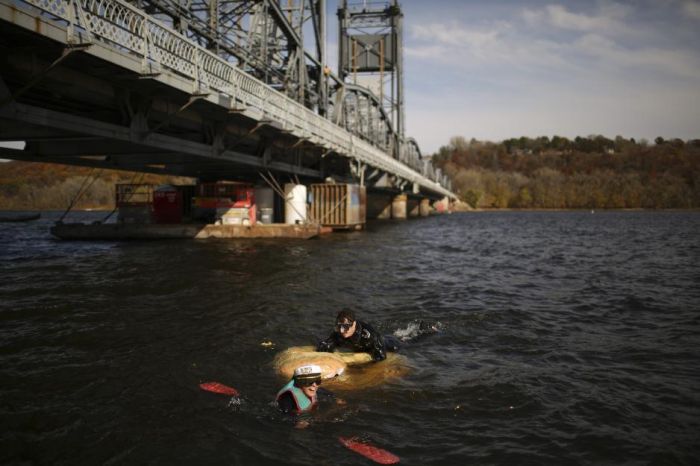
(377, 351)
(328, 345)
(370, 341)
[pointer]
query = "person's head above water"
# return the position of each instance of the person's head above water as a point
(308, 379)
(345, 323)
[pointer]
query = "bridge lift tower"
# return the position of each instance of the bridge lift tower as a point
(371, 51)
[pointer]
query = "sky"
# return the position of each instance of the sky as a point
(497, 69)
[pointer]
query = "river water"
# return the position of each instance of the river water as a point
(564, 338)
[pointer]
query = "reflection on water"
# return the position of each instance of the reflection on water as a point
(562, 338)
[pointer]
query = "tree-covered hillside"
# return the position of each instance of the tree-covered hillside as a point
(593, 172)
(44, 186)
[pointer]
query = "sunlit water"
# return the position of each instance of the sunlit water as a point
(565, 338)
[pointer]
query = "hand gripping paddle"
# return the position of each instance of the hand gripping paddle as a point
(216, 387)
(367, 450)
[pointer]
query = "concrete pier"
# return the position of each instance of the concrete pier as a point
(413, 206)
(379, 206)
(385, 214)
(424, 207)
(398, 207)
(401, 206)
(442, 206)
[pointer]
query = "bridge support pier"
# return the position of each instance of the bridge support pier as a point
(443, 205)
(398, 207)
(413, 207)
(379, 206)
(424, 207)
(384, 207)
(385, 214)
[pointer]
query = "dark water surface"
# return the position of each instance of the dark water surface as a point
(567, 338)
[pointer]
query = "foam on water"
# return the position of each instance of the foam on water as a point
(417, 329)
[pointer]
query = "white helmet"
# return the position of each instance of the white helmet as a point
(308, 374)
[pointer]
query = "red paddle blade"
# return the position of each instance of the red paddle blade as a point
(216, 387)
(376, 454)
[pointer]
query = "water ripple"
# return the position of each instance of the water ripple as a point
(563, 338)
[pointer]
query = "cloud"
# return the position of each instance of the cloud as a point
(497, 44)
(560, 17)
(534, 50)
(676, 62)
(455, 34)
(691, 8)
(609, 17)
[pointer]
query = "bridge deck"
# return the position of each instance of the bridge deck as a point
(110, 86)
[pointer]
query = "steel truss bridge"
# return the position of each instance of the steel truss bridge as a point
(212, 89)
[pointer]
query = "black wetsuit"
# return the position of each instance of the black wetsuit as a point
(365, 340)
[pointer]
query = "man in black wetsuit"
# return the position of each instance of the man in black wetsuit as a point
(359, 336)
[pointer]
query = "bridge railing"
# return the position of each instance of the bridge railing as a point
(125, 27)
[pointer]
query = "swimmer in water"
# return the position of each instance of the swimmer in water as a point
(301, 395)
(359, 336)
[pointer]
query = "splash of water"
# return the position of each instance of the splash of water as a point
(417, 329)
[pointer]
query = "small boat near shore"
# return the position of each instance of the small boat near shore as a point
(20, 217)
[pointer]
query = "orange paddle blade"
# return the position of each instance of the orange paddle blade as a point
(216, 387)
(367, 450)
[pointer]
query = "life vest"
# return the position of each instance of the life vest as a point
(302, 402)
